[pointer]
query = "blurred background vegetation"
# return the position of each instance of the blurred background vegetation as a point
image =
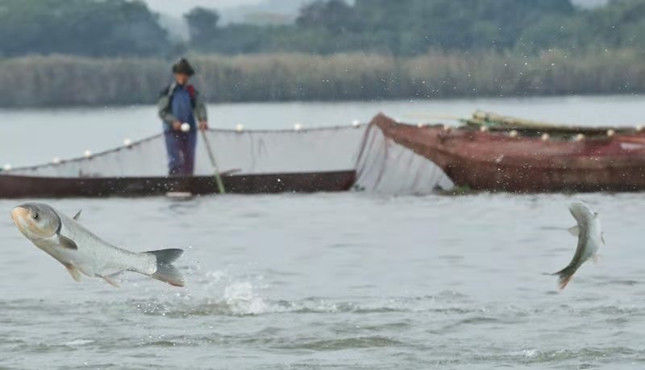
(71, 52)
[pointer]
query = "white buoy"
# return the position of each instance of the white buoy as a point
(179, 195)
(297, 127)
(483, 128)
(611, 132)
(127, 142)
(6, 167)
(419, 125)
(185, 127)
(239, 127)
(639, 128)
(580, 137)
(545, 137)
(513, 133)
(356, 123)
(56, 160)
(87, 153)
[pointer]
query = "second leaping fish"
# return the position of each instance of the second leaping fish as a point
(590, 238)
(82, 252)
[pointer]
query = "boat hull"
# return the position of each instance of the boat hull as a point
(48, 187)
(497, 161)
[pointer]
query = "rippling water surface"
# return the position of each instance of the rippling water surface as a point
(335, 280)
(348, 280)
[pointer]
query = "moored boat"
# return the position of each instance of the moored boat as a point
(251, 162)
(14, 186)
(520, 157)
(256, 161)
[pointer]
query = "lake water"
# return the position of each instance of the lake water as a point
(350, 280)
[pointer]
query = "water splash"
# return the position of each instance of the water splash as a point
(241, 299)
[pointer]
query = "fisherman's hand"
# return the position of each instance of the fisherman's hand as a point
(203, 125)
(176, 125)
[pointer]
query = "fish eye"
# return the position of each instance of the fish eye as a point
(35, 216)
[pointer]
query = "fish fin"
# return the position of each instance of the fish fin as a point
(564, 281)
(77, 215)
(166, 272)
(565, 275)
(575, 230)
(109, 279)
(66, 242)
(166, 256)
(602, 237)
(76, 275)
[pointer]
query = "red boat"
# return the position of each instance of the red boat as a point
(497, 155)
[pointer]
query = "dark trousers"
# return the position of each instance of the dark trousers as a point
(181, 152)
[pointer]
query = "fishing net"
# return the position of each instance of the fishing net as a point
(384, 166)
(380, 164)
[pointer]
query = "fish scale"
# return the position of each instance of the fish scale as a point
(95, 257)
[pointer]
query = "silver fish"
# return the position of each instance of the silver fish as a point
(590, 238)
(82, 252)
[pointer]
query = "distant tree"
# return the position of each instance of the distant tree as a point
(556, 32)
(94, 28)
(399, 27)
(333, 15)
(238, 39)
(618, 23)
(202, 25)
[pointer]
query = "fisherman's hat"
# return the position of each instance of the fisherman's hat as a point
(182, 66)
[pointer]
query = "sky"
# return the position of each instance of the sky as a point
(178, 7)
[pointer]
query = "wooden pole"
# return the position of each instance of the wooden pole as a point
(211, 156)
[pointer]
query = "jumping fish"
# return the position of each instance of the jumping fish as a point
(80, 251)
(590, 238)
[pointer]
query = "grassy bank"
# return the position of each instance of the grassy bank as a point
(66, 80)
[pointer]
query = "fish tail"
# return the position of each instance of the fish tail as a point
(166, 272)
(565, 275)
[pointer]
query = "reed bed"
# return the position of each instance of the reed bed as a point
(73, 81)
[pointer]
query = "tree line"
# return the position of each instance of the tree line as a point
(401, 28)
(80, 27)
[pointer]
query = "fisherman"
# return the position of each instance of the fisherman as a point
(180, 108)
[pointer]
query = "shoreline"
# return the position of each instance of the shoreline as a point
(451, 99)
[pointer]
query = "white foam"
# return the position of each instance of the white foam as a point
(78, 342)
(242, 300)
(529, 353)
